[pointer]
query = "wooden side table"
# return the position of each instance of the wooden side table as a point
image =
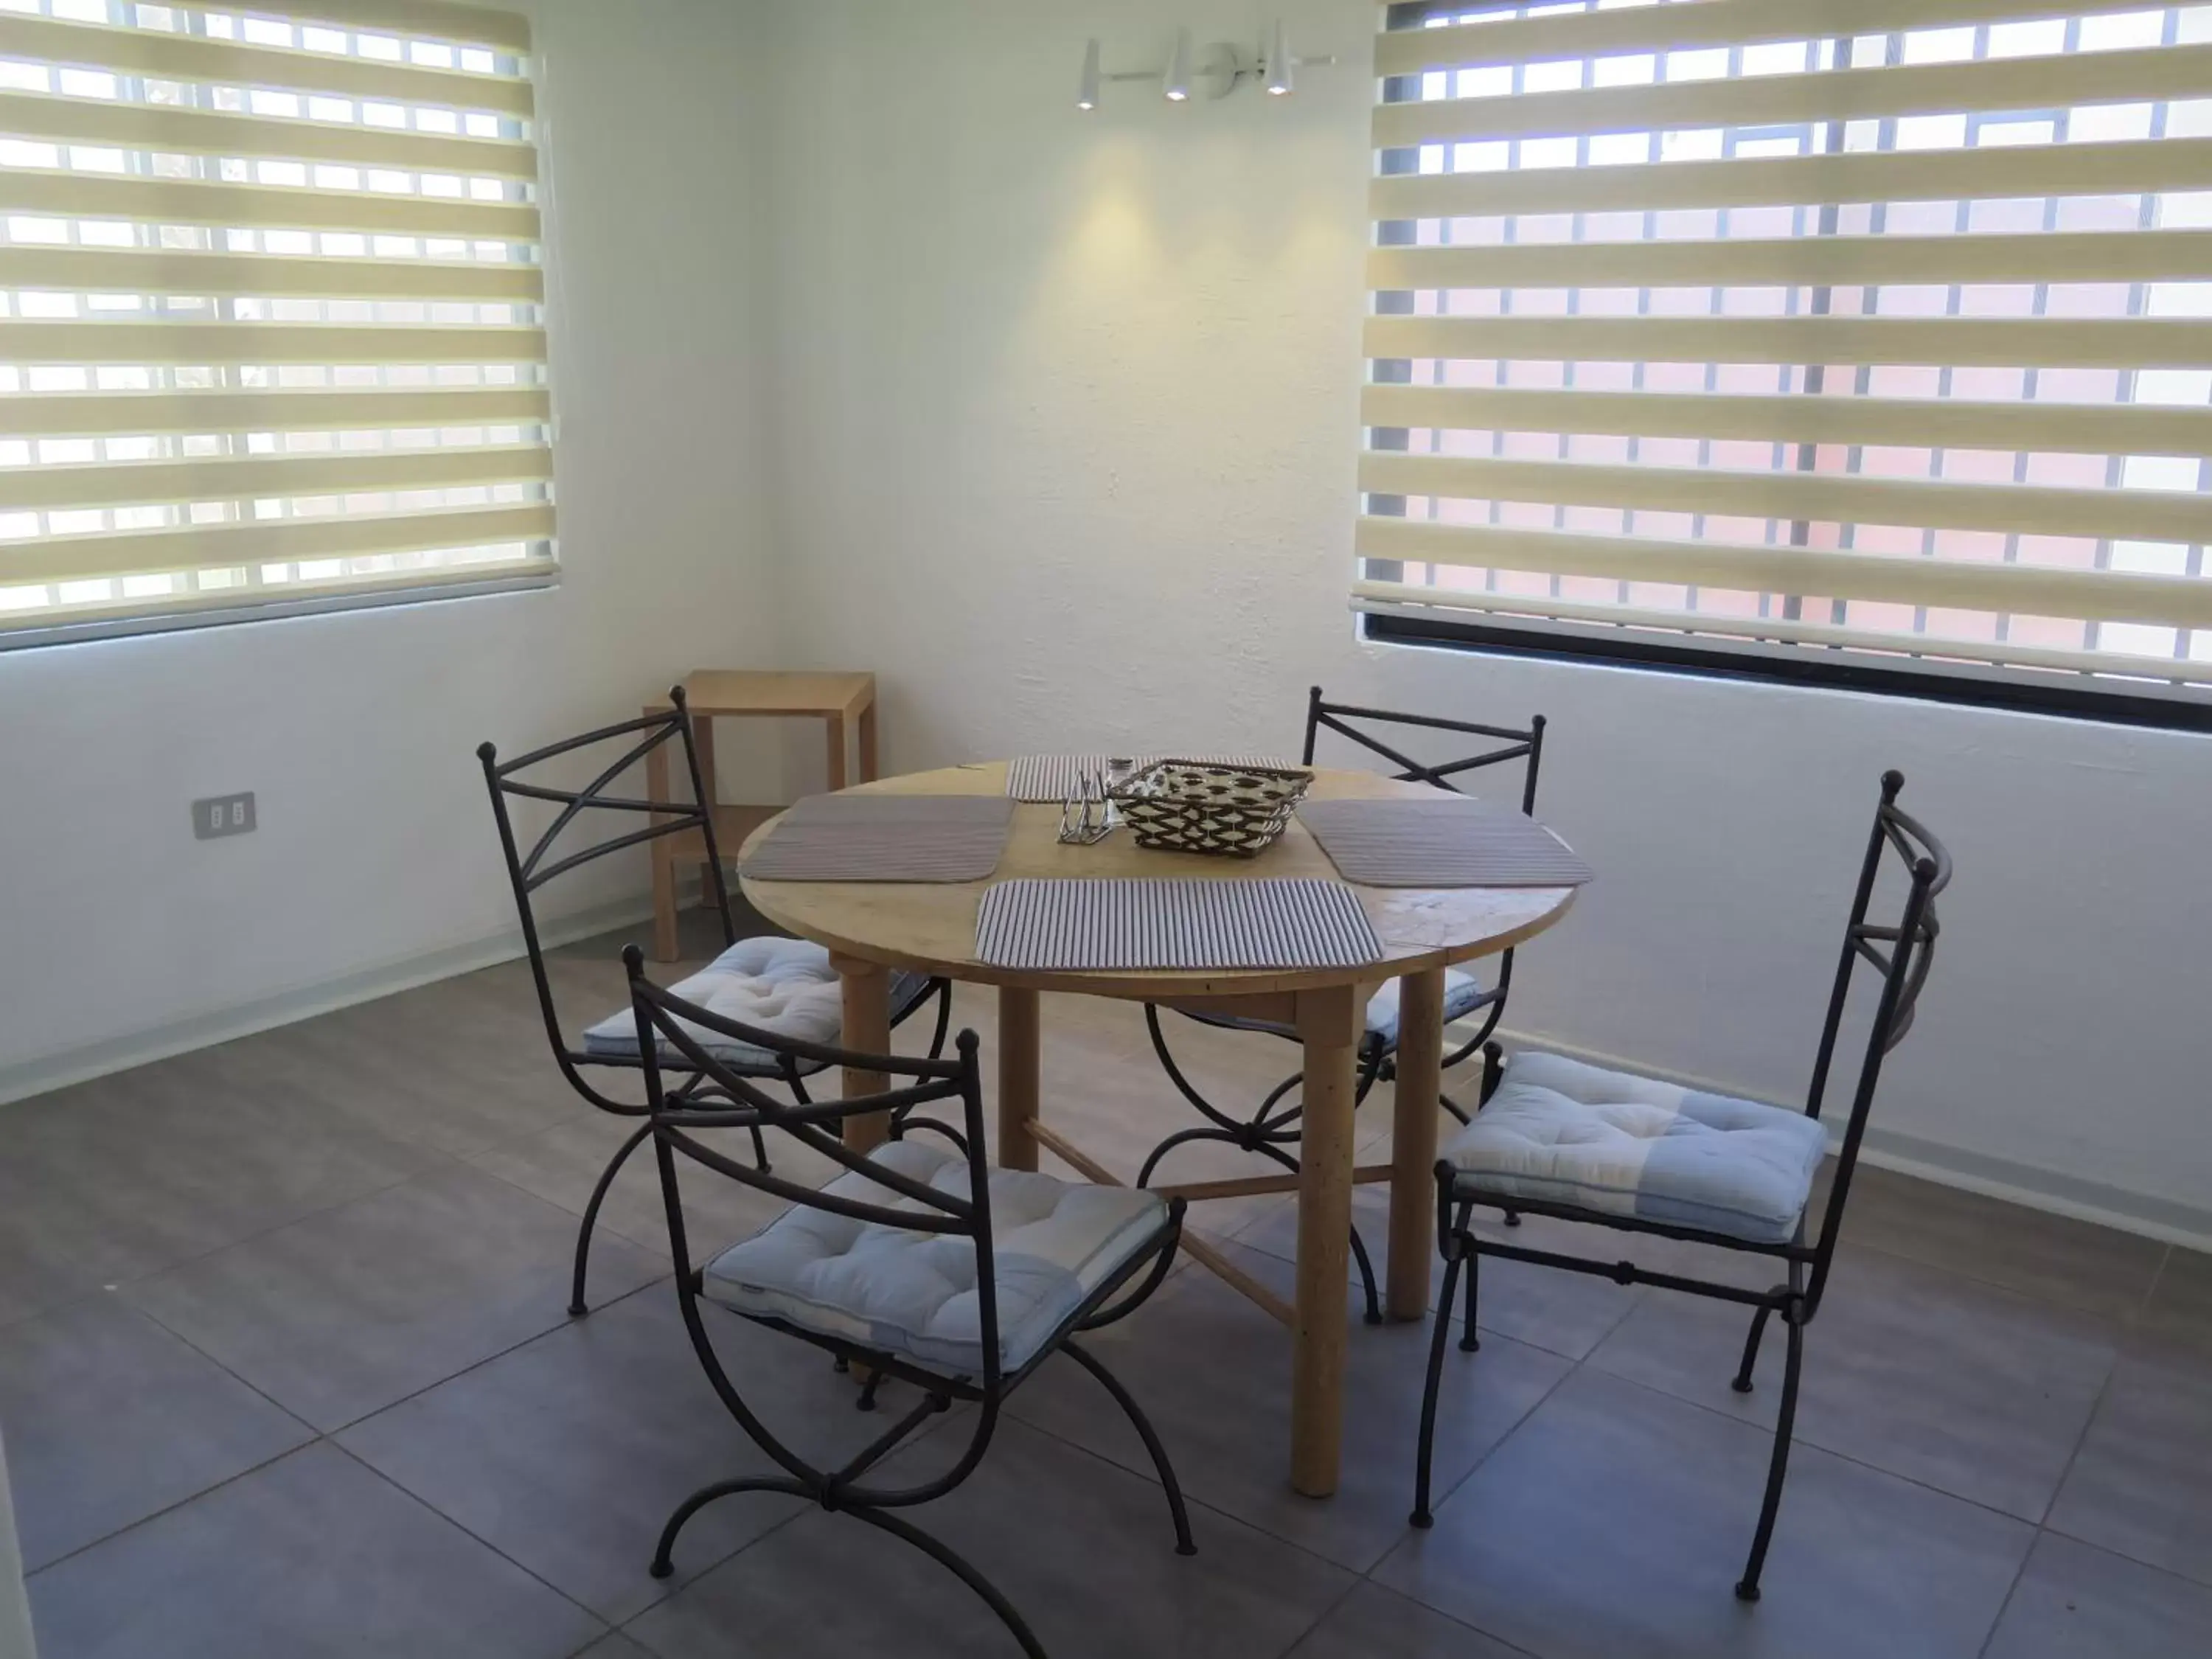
(843, 703)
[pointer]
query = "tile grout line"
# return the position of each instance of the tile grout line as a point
(2151, 1290)
(1799, 1441)
(314, 1439)
(1436, 1503)
(1997, 1623)
(1212, 1508)
(568, 1321)
(122, 1283)
(315, 1435)
(606, 1627)
(2082, 1439)
(1327, 1613)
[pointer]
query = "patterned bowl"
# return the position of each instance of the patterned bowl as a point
(1194, 806)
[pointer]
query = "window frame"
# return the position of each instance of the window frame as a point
(2118, 699)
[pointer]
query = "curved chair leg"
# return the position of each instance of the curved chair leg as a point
(1201, 1132)
(1184, 1086)
(760, 1152)
(1153, 1278)
(1426, 1444)
(1742, 1383)
(944, 1021)
(1143, 1424)
(866, 1402)
(959, 1568)
(1266, 1120)
(911, 1120)
(576, 1308)
(664, 1553)
(1747, 1588)
(1366, 1277)
(1469, 1340)
(1456, 1110)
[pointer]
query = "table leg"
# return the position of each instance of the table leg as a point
(702, 744)
(1020, 1059)
(868, 988)
(868, 724)
(1328, 1022)
(664, 945)
(837, 725)
(1414, 1141)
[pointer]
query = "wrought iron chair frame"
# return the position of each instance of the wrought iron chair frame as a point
(527, 872)
(674, 1118)
(1269, 1130)
(1902, 955)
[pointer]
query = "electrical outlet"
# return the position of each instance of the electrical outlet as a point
(223, 815)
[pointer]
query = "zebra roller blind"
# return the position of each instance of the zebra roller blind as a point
(1880, 328)
(270, 308)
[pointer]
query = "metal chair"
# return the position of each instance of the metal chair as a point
(1274, 1126)
(528, 872)
(968, 1327)
(1714, 1197)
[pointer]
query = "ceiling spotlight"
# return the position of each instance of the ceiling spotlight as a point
(1176, 83)
(1086, 93)
(1280, 66)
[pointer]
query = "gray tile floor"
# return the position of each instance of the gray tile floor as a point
(284, 1370)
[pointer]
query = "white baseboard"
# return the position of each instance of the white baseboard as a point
(2050, 1190)
(80, 1064)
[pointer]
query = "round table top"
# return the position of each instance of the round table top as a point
(930, 926)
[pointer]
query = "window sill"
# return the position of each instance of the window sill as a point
(2121, 703)
(219, 613)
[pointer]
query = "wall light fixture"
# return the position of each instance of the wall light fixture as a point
(1219, 67)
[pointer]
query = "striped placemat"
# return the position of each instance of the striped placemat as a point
(1440, 843)
(1133, 925)
(886, 838)
(1055, 777)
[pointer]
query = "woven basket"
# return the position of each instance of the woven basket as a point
(1190, 806)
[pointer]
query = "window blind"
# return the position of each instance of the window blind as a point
(1871, 328)
(271, 309)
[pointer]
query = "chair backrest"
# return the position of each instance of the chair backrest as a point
(1901, 953)
(1508, 744)
(1348, 720)
(663, 1018)
(529, 871)
(676, 1121)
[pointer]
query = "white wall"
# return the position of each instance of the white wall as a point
(1064, 431)
(375, 845)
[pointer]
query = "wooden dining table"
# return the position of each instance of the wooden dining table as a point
(873, 928)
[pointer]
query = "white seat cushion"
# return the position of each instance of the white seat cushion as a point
(913, 1294)
(1624, 1144)
(785, 986)
(1461, 992)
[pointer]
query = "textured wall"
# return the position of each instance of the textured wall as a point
(1065, 418)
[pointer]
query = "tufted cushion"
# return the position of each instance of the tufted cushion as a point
(914, 1293)
(1461, 992)
(1624, 1144)
(782, 985)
